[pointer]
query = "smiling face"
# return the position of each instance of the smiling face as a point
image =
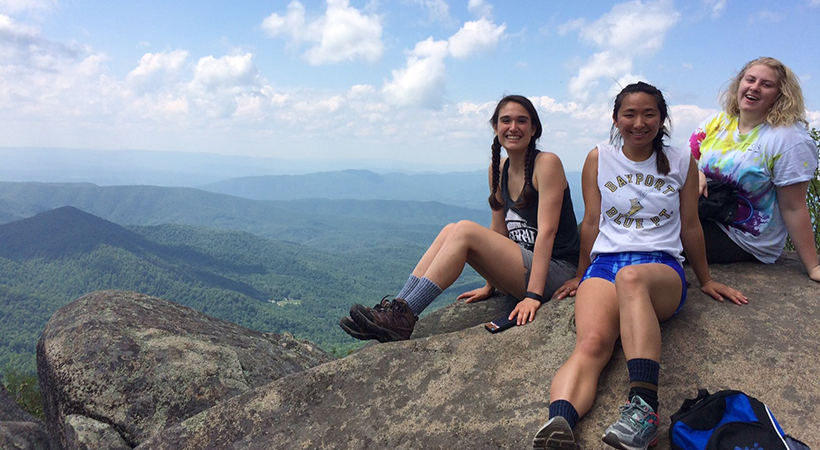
(514, 128)
(758, 90)
(638, 120)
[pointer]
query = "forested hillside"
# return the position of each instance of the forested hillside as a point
(51, 259)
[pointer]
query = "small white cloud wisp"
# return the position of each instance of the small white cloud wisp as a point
(342, 34)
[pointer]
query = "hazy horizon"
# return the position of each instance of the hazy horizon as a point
(412, 82)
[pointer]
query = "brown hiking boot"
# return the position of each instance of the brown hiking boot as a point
(353, 329)
(386, 325)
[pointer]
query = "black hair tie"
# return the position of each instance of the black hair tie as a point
(536, 297)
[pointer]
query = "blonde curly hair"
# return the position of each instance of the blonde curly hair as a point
(788, 108)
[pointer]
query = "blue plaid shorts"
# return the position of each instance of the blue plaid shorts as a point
(607, 265)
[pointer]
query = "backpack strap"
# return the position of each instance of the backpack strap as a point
(703, 394)
(688, 403)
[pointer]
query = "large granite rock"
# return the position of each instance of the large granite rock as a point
(117, 367)
(472, 389)
(19, 430)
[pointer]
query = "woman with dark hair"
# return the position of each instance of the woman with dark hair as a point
(641, 213)
(529, 250)
(759, 144)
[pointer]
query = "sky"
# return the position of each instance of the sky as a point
(408, 81)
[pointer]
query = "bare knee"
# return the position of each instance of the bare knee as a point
(596, 346)
(448, 230)
(629, 279)
(466, 229)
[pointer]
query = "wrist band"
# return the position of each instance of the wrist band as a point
(534, 296)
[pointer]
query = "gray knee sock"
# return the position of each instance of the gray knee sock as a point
(408, 287)
(422, 295)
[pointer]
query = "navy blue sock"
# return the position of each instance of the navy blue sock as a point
(643, 380)
(564, 409)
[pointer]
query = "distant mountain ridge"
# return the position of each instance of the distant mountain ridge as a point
(321, 223)
(467, 189)
(169, 168)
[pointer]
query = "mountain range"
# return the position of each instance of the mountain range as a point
(329, 224)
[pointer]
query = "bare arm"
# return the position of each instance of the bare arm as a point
(550, 182)
(792, 202)
(589, 225)
(691, 235)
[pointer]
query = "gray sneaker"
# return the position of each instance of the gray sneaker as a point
(637, 428)
(555, 435)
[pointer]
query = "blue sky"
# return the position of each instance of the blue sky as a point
(349, 80)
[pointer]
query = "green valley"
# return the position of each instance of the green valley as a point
(268, 285)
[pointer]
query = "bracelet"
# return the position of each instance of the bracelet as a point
(534, 296)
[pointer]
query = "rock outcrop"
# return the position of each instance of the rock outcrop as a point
(472, 389)
(20, 430)
(117, 367)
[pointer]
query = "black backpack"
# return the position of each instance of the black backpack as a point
(727, 420)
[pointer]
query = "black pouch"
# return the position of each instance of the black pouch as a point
(722, 203)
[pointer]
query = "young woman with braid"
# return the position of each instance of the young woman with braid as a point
(530, 249)
(641, 201)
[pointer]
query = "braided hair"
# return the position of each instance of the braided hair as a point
(662, 163)
(528, 192)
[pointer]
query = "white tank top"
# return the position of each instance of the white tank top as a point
(640, 208)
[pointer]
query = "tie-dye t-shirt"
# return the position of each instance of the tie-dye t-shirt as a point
(755, 162)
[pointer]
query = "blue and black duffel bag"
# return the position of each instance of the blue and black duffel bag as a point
(727, 420)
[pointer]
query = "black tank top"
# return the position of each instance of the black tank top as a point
(522, 224)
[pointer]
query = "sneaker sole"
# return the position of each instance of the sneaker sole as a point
(371, 329)
(611, 439)
(555, 435)
(350, 327)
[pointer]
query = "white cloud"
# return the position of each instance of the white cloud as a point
(343, 34)
(46, 78)
(629, 30)
(18, 6)
(607, 64)
(361, 91)
(685, 118)
(813, 117)
(225, 71)
(421, 81)
(291, 24)
(224, 86)
(482, 9)
(474, 37)
(157, 69)
(766, 16)
(716, 7)
(437, 10)
(11, 30)
(637, 27)
(572, 25)
(22, 44)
